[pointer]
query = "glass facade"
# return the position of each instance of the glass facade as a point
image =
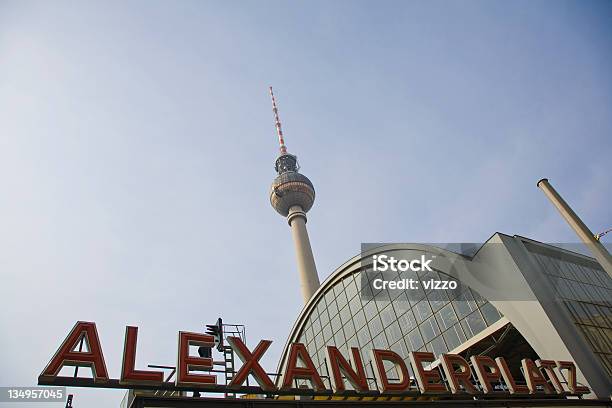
(428, 322)
(586, 292)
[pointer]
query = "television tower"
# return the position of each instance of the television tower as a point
(292, 195)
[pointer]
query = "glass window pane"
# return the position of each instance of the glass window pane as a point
(316, 326)
(341, 298)
(345, 315)
(318, 340)
(447, 316)
(422, 311)
(463, 308)
(336, 324)
(332, 307)
(437, 299)
(339, 338)
(394, 333)
(351, 288)
(476, 322)
(304, 337)
(359, 320)
(466, 328)
(388, 315)
(380, 341)
(364, 336)
(438, 346)
(355, 304)
(327, 333)
(452, 338)
(375, 325)
(416, 341)
(322, 304)
(370, 310)
(415, 296)
(349, 329)
(353, 342)
(429, 329)
(324, 317)
(491, 314)
(401, 305)
(407, 322)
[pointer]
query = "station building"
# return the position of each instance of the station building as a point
(521, 299)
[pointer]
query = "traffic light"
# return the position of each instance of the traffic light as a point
(205, 352)
(216, 330)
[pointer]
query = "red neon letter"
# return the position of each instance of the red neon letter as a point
(66, 355)
(429, 380)
(458, 377)
(487, 371)
(534, 377)
(378, 356)
(513, 387)
(572, 384)
(549, 368)
(129, 374)
(339, 366)
(308, 372)
(187, 363)
(250, 364)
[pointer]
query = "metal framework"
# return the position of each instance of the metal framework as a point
(146, 402)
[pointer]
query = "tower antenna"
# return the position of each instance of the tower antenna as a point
(279, 130)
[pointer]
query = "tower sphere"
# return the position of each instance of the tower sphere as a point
(289, 189)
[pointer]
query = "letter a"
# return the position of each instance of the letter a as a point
(67, 356)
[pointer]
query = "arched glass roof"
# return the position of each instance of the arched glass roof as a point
(428, 321)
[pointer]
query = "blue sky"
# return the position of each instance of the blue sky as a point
(137, 147)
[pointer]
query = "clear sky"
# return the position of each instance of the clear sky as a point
(137, 147)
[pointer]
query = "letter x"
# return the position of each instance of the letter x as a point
(250, 364)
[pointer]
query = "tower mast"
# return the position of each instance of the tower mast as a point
(279, 130)
(292, 195)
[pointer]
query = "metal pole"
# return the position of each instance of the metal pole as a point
(599, 251)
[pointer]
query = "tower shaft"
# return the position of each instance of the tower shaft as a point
(307, 270)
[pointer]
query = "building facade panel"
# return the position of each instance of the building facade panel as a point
(586, 292)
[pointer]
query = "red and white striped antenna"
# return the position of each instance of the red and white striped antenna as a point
(279, 130)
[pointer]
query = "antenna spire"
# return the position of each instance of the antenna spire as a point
(279, 130)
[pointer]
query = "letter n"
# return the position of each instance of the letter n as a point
(339, 366)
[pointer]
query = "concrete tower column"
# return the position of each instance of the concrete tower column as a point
(309, 279)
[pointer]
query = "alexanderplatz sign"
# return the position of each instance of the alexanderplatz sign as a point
(453, 375)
